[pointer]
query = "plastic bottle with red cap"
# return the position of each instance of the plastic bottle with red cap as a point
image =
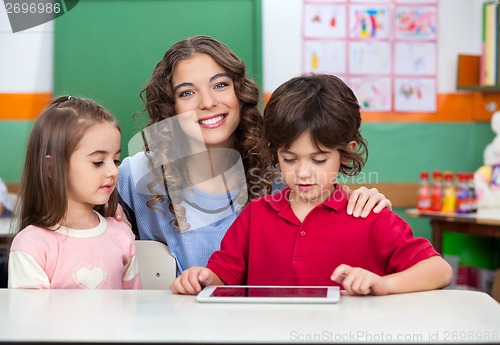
(424, 193)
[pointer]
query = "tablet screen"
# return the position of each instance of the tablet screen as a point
(269, 292)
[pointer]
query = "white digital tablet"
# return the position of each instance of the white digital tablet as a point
(269, 294)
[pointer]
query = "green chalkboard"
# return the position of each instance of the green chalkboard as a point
(107, 49)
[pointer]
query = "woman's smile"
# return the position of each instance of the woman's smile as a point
(213, 121)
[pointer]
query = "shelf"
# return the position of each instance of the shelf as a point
(468, 71)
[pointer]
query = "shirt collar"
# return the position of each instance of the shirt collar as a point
(84, 233)
(337, 200)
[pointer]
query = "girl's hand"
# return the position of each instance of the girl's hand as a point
(358, 281)
(192, 280)
(363, 200)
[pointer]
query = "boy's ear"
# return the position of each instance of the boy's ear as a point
(351, 146)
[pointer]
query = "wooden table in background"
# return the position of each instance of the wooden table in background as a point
(483, 223)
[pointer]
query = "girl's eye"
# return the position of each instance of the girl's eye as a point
(185, 93)
(98, 164)
(319, 161)
(117, 162)
(288, 160)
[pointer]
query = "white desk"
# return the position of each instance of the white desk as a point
(445, 316)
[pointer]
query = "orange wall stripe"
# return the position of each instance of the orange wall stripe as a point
(451, 107)
(23, 106)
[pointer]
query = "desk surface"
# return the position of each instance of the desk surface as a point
(444, 316)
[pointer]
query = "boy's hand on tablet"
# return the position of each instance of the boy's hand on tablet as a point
(192, 280)
(358, 281)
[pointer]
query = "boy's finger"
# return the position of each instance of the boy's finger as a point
(340, 273)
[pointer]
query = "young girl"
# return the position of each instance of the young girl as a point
(201, 78)
(67, 190)
(302, 235)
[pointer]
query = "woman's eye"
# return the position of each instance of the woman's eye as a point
(221, 85)
(185, 93)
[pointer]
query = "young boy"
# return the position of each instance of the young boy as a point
(302, 235)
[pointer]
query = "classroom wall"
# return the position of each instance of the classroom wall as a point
(398, 149)
(459, 32)
(26, 72)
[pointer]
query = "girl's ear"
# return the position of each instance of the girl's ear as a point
(351, 146)
(48, 165)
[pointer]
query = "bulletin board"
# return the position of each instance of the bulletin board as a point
(385, 50)
(107, 49)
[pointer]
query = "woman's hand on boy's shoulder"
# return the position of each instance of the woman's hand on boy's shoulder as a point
(362, 201)
(358, 281)
(120, 216)
(193, 279)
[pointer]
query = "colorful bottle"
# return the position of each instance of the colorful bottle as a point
(462, 189)
(437, 191)
(472, 193)
(424, 193)
(449, 193)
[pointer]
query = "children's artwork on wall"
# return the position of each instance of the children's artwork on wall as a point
(369, 21)
(415, 58)
(374, 94)
(412, 94)
(372, 1)
(417, 1)
(416, 22)
(325, 57)
(385, 49)
(324, 21)
(369, 58)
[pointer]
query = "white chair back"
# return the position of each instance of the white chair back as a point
(158, 268)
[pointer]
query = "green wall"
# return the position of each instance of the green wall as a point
(13, 140)
(107, 50)
(398, 152)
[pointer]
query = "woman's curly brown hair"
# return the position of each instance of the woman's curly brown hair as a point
(159, 101)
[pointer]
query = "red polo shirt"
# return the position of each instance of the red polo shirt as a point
(268, 245)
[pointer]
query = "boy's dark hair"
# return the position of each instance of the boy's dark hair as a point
(321, 104)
